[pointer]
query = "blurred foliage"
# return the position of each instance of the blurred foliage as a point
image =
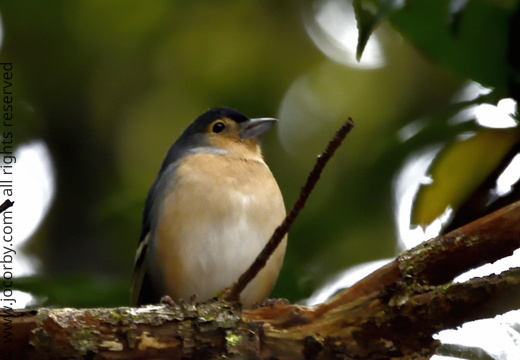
(82, 291)
(470, 37)
(478, 40)
(108, 86)
(479, 156)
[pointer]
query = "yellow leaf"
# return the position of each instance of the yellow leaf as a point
(459, 169)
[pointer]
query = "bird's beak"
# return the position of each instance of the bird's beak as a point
(254, 128)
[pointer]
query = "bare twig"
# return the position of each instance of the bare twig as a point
(281, 231)
(6, 205)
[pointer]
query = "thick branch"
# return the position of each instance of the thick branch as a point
(392, 313)
(482, 241)
(372, 327)
(443, 258)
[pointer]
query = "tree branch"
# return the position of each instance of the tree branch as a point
(392, 313)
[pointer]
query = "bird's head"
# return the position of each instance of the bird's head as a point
(224, 130)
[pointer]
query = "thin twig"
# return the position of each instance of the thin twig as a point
(6, 205)
(281, 231)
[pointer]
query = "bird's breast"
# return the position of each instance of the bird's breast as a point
(216, 216)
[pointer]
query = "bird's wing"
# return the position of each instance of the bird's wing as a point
(143, 290)
(140, 272)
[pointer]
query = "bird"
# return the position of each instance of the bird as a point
(209, 213)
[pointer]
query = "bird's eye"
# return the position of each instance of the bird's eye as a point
(218, 127)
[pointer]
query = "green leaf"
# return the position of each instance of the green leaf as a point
(474, 47)
(369, 13)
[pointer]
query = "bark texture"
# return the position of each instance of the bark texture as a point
(391, 314)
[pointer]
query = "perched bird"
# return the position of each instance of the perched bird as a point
(209, 213)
